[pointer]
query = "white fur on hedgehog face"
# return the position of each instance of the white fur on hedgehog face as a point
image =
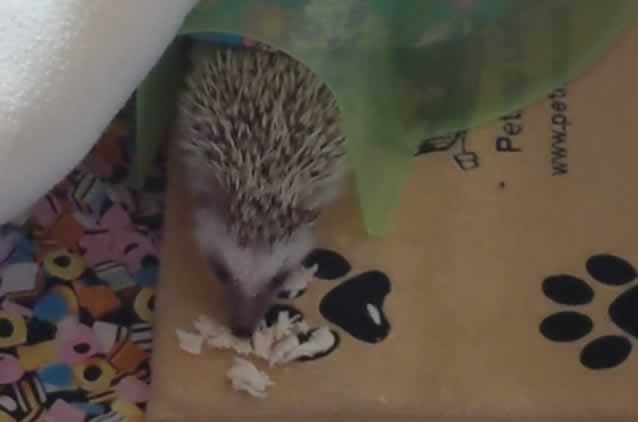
(252, 268)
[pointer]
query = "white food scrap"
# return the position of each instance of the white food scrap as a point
(282, 349)
(300, 327)
(300, 279)
(208, 327)
(278, 344)
(190, 342)
(285, 324)
(245, 376)
(218, 336)
(228, 341)
(263, 340)
(320, 341)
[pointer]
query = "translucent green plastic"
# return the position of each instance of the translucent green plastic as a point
(403, 70)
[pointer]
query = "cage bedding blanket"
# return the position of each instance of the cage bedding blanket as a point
(66, 68)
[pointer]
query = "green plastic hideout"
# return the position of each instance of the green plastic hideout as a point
(402, 70)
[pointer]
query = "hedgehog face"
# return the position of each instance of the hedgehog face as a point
(251, 275)
(261, 144)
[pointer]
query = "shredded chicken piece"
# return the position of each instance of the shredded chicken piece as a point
(320, 341)
(278, 344)
(189, 342)
(245, 376)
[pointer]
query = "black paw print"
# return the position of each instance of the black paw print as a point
(567, 326)
(355, 305)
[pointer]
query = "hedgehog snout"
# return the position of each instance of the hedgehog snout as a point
(246, 311)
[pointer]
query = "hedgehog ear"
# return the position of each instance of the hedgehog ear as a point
(321, 195)
(309, 216)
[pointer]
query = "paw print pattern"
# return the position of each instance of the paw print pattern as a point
(356, 304)
(571, 325)
(330, 265)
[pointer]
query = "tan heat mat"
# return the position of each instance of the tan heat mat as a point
(507, 286)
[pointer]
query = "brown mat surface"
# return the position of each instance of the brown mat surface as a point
(531, 219)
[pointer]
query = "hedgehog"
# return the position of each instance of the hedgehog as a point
(262, 148)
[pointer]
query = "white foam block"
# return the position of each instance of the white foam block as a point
(67, 68)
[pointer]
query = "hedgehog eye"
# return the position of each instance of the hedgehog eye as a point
(278, 280)
(220, 272)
